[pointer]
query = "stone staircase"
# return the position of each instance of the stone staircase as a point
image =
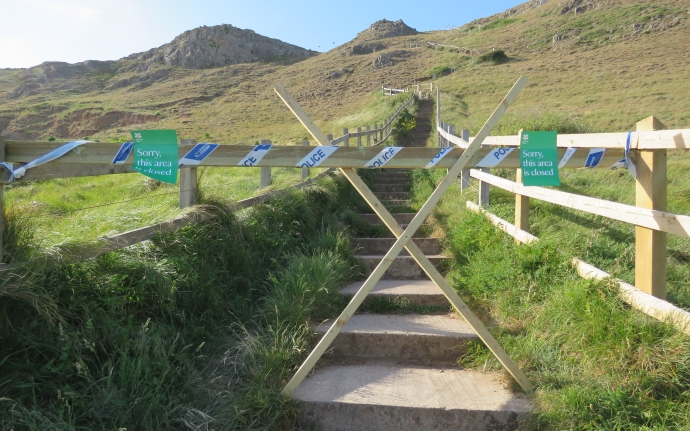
(398, 372)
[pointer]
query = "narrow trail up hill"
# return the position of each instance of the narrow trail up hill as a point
(398, 372)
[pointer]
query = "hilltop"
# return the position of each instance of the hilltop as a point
(608, 64)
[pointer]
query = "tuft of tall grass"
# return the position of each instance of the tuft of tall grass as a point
(137, 338)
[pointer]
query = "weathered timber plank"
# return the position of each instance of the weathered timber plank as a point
(644, 302)
(654, 140)
(652, 219)
(507, 227)
(288, 156)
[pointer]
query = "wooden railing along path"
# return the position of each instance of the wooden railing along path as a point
(95, 159)
(648, 146)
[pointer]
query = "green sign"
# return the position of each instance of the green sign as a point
(539, 159)
(155, 154)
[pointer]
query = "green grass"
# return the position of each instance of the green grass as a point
(499, 23)
(82, 209)
(596, 363)
(200, 326)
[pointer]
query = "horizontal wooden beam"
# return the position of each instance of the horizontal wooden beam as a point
(652, 219)
(507, 227)
(135, 236)
(458, 141)
(656, 140)
(644, 302)
(86, 159)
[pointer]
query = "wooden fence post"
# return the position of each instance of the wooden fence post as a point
(266, 179)
(359, 136)
(305, 171)
(438, 115)
(484, 191)
(188, 181)
(465, 182)
(2, 201)
(368, 136)
(376, 133)
(346, 133)
(521, 207)
(330, 138)
(650, 191)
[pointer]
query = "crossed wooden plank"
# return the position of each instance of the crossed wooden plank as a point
(403, 241)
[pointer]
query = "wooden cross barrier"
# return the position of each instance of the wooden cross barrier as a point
(403, 241)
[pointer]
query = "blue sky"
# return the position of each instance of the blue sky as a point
(34, 31)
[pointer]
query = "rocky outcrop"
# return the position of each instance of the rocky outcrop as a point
(383, 29)
(217, 46)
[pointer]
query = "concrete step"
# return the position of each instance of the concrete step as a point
(389, 188)
(374, 246)
(386, 397)
(394, 181)
(389, 234)
(417, 337)
(388, 196)
(420, 292)
(394, 173)
(396, 205)
(404, 218)
(403, 267)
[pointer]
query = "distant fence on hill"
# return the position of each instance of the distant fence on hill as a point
(649, 143)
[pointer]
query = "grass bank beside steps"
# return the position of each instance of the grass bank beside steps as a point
(199, 329)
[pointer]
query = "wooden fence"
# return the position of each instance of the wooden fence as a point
(648, 146)
(95, 159)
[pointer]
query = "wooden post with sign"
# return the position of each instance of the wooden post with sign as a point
(521, 207)
(188, 181)
(265, 171)
(465, 181)
(650, 245)
(305, 171)
(2, 201)
(484, 191)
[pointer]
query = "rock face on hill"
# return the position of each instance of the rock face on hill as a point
(217, 46)
(384, 28)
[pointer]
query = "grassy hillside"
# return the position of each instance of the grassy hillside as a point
(614, 63)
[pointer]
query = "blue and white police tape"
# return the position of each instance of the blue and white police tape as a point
(56, 153)
(627, 162)
(438, 157)
(495, 156)
(122, 154)
(566, 157)
(255, 155)
(383, 157)
(197, 154)
(10, 168)
(594, 157)
(316, 156)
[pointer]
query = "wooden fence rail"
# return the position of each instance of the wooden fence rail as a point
(648, 146)
(648, 304)
(94, 159)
